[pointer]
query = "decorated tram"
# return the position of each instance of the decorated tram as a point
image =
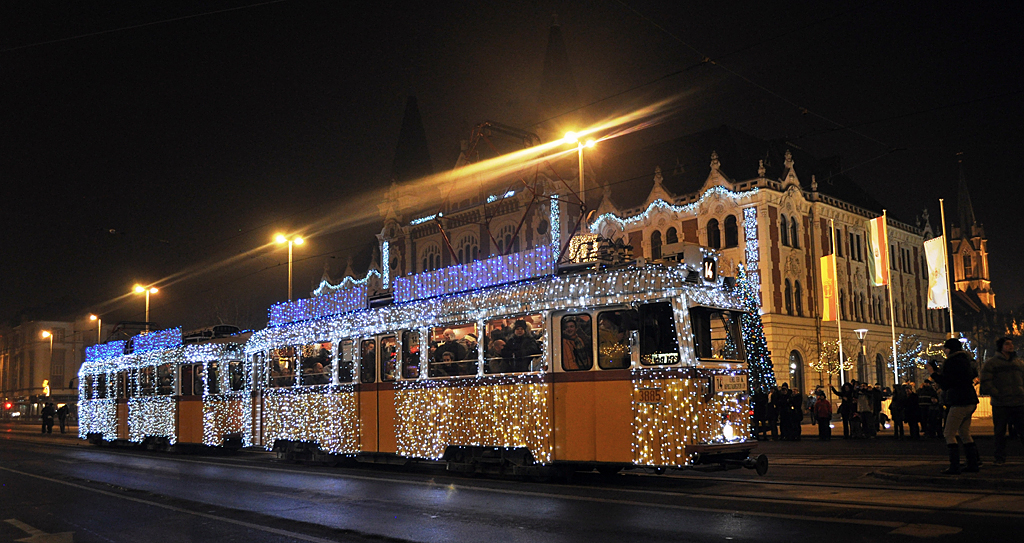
(499, 365)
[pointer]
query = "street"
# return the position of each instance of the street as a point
(842, 490)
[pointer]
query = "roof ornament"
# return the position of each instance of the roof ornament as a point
(814, 181)
(715, 164)
(789, 160)
(760, 169)
(658, 178)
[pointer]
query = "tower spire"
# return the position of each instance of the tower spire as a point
(966, 210)
(412, 157)
(558, 95)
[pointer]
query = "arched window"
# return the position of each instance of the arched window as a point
(798, 299)
(784, 231)
(789, 297)
(714, 235)
(796, 371)
(505, 240)
(880, 372)
(842, 304)
(672, 236)
(656, 244)
(431, 258)
(732, 235)
(968, 266)
(794, 239)
(467, 250)
(863, 308)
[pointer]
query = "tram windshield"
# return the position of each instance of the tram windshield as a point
(658, 343)
(716, 334)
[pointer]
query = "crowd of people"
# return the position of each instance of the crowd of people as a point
(941, 407)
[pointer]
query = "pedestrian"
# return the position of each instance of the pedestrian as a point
(62, 416)
(48, 413)
(1002, 378)
(796, 415)
(772, 412)
(897, 411)
(847, 405)
(956, 377)
(925, 395)
(912, 410)
(867, 424)
(823, 415)
(760, 401)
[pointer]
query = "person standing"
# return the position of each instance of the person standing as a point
(847, 405)
(912, 410)
(62, 416)
(956, 377)
(1002, 378)
(823, 415)
(48, 413)
(897, 411)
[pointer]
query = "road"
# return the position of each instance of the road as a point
(64, 488)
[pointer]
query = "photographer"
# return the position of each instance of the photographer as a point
(956, 377)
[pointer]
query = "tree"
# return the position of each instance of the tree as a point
(759, 359)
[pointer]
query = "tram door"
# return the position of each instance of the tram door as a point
(367, 394)
(377, 371)
(122, 391)
(593, 388)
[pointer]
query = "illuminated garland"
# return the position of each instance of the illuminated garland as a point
(828, 359)
(759, 358)
(475, 275)
(385, 264)
(157, 341)
(639, 219)
(103, 351)
(345, 283)
(333, 303)
(155, 416)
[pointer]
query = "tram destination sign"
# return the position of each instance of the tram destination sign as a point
(730, 383)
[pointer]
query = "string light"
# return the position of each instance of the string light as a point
(623, 223)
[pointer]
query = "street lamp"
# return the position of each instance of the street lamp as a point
(48, 335)
(99, 328)
(862, 358)
(572, 137)
(139, 289)
(296, 240)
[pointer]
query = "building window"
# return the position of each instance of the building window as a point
(431, 258)
(672, 236)
(656, 244)
(968, 266)
(507, 241)
(860, 255)
(842, 304)
(789, 297)
(794, 238)
(798, 299)
(796, 370)
(714, 235)
(468, 249)
(839, 242)
(784, 231)
(732, 236)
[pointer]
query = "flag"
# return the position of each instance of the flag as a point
(938, 287)
(878, 252)
(829, 296)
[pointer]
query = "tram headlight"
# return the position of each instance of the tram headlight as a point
(727, 432)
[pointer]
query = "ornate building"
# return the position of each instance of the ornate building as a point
(969, 252)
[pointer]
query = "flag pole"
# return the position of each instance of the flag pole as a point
(839, 314)
(945, 262)
(892, 310)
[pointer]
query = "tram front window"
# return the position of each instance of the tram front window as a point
(165, 380)
(658, 343)
(716, 334)
(346, 355)
(213, 378)
(101, 386)
(388, 358)
(612, 340)
(410, 354)
(236, 375)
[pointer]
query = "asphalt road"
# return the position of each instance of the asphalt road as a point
(60, 486)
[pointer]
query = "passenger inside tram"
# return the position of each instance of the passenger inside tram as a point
(612, 341)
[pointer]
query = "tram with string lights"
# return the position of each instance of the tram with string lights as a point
(506, 365)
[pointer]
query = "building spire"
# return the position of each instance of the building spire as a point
(558, 95)
(967, 220)
(412, 157)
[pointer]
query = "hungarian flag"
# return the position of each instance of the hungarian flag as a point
(829, 295)
(878, 252)
(938, 287)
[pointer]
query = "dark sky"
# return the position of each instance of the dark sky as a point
(139, 140)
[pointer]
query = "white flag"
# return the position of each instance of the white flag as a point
(938, 292)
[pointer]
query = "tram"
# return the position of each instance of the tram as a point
(492, 366)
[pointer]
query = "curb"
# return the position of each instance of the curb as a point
(969, 480)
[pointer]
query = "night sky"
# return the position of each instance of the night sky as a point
(166, 144)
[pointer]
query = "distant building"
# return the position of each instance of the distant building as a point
(30, 371)
(969, 252)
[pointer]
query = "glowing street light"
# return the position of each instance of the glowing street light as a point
(139, 289)
(570, 138)
(99, 328)
(296, 240)
(48, 335)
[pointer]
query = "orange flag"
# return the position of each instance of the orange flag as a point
(829, 296)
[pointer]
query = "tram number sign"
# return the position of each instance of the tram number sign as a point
(649, 395)
(730, 383)
(709, 270)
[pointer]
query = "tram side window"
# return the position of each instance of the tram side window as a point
(716, 334)
(658, 342)
(122, 385)
(213, 378)
(368, 361)
(282, 367)
(612, 340)
(453, 350)
(346, 355)
(88, 386)
(410, 354)
(577, 345)
(388, 358)
(258, 365)
(146, 385)
(191, 379)
(101, 386)
(316, 363)
(236, 375)
(165, 379)
(513, 344)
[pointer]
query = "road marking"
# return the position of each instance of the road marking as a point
(267, 529)
(36, 535)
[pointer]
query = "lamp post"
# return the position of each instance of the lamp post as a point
(99, 328)
(862, 358)
(295, 240)
(139, 289)
(48, 335)
(572, 137)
